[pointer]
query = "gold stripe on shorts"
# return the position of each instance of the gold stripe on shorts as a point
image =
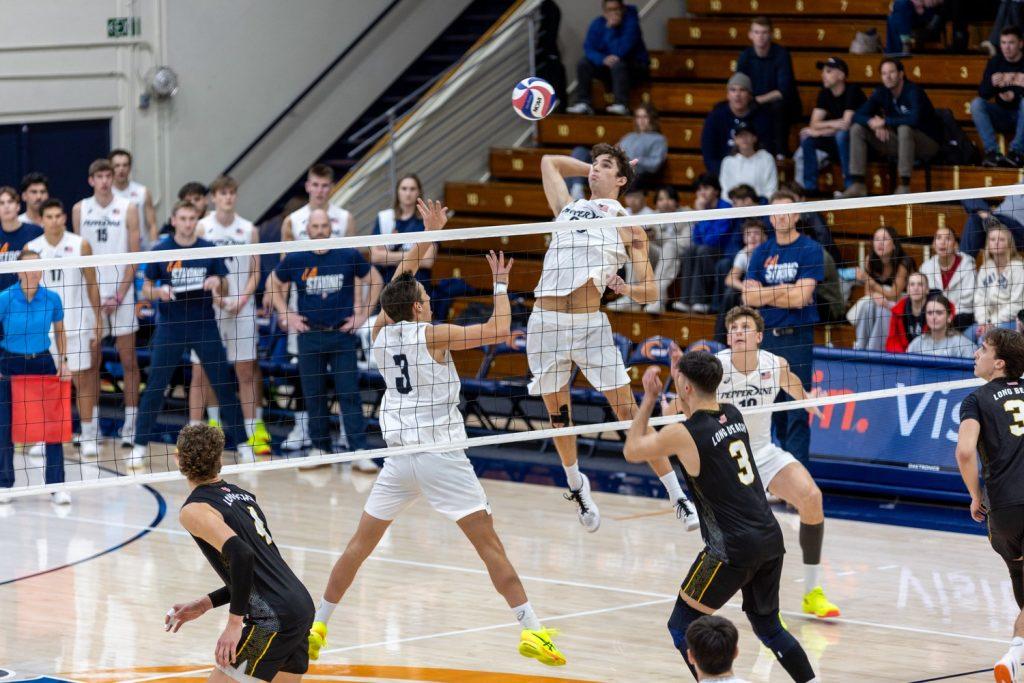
(252, 668)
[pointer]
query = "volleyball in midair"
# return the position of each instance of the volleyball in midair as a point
(533, 98)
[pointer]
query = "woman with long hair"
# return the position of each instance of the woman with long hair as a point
(999, 284)
(401, 218)
(907, 315)
(884, 277)
(941, 338)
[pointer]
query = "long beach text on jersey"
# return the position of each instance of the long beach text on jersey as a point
(776, 273)
(235, 497)
(728, 430)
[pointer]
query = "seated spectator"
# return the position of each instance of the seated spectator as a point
(941, 338)
(712, 645)
(646, 144)
(401, 218)
(635, 202)
(740, 196)
(999, 285)
(613, 51)
(951, 271)
(884, 277)
(664, 245)
(1009, 213)
(828, 294)
(908, 17)
(897, 121)
(906, 316)
(828, 133)
(1009, 13)
(755, 233)
(748, 165)
(707, 241)
(716, 137)
(1000, 98)
(771, 76)
(813, 225)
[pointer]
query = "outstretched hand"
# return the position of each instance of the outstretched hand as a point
(499, 267)
(433, 213)
(652, 382)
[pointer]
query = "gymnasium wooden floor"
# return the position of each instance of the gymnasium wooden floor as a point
(84, 590)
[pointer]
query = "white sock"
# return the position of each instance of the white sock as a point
(96, 415)
(193, 423)
(129, 416)
(671, 483)
(250, 426)
(213, 412)
(88, 431)
(1017, 641)
(324, 610)
(572, 474)
(812, 576)
(526, 617)
(259, 413)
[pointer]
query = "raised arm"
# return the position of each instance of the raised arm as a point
(554, 169)
(458, 338)
(435, 217)
(643, 444)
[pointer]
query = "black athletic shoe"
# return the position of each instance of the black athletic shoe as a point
(1015, 159)
(993, 159)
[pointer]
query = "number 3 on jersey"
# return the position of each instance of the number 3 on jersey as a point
(1016, 407)
(739, 453)
(261, 529)
(403, 384)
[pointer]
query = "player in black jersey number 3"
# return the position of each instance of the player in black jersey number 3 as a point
(743, 545)
(271, 611)
(992, 425)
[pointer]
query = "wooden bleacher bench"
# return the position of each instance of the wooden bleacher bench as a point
(795, 34)
(774, 8)
(566, 129)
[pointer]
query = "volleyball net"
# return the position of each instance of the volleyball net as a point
(891, 297)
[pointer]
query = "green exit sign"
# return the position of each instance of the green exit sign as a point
(123, 27)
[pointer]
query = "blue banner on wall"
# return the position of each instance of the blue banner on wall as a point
(917, 431)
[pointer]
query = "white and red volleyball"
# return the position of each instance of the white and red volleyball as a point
(533, 98)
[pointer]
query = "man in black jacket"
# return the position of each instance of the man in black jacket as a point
(770, 69)
(716, 139)
(898, 121)
(998, 105)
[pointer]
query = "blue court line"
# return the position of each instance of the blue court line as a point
(160, 513)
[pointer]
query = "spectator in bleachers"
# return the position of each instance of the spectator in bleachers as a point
(708, 239)
(770, 69)
(997, 108)
(884, 278)
(748, 165)
(941, 338)
(951, 271)
(1009, 13)
(739, 196)
(665, 244)
(999, 285)
(906, 316)
(646, 144)
(897, 121)
(613, 51)
(1009, 213)
(716, 137)
(755, 233)
(828, 133)
(35, 189)
(401, 218)
(781, 279)
(908, 17)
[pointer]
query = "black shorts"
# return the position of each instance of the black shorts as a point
(263, 653)
(712, 582)
(1006, 532)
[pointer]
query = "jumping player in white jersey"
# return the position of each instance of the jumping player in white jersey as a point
(755, 377)
(111, 226)
(421, 406)
(81, 300)
(319, 182)
(137, 194)
(236, 320)
(567, 326)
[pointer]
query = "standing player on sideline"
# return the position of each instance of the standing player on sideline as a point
(421, 406)
(14, 234)
(136, 193)
(35, 189)
(110, 226)
(567, 326)
(270, 610)
(743, 542)
(319, 182)
(992, 426)
(754, 377)
(81, 300)
(236, 319)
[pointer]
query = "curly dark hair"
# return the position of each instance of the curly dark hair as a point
(199, 451)
(1009, 348)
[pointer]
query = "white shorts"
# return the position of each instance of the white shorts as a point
(123, 320)
(238, 332)
(79, 351)
(770, 460)
(554, 341)
(445, 479)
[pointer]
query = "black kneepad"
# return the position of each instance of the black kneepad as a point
(561, 418)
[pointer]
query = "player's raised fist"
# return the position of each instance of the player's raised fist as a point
(652, 381)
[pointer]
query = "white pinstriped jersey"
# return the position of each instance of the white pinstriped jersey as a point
(575, 257)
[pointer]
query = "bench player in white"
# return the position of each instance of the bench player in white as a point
(137, 194)
(236, 319)
(421, 407)
(319, 183)
(111, 226)
(755, 377)
(81, 299)
(567, 326)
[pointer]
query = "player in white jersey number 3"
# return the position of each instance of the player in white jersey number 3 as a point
(567, 326)
(421, 407)
(753, 377)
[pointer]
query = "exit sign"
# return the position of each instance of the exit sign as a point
(123, 27)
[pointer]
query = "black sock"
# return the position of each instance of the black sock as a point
(856, 179)
(811, 538)
(796, 664)
(904, 180)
